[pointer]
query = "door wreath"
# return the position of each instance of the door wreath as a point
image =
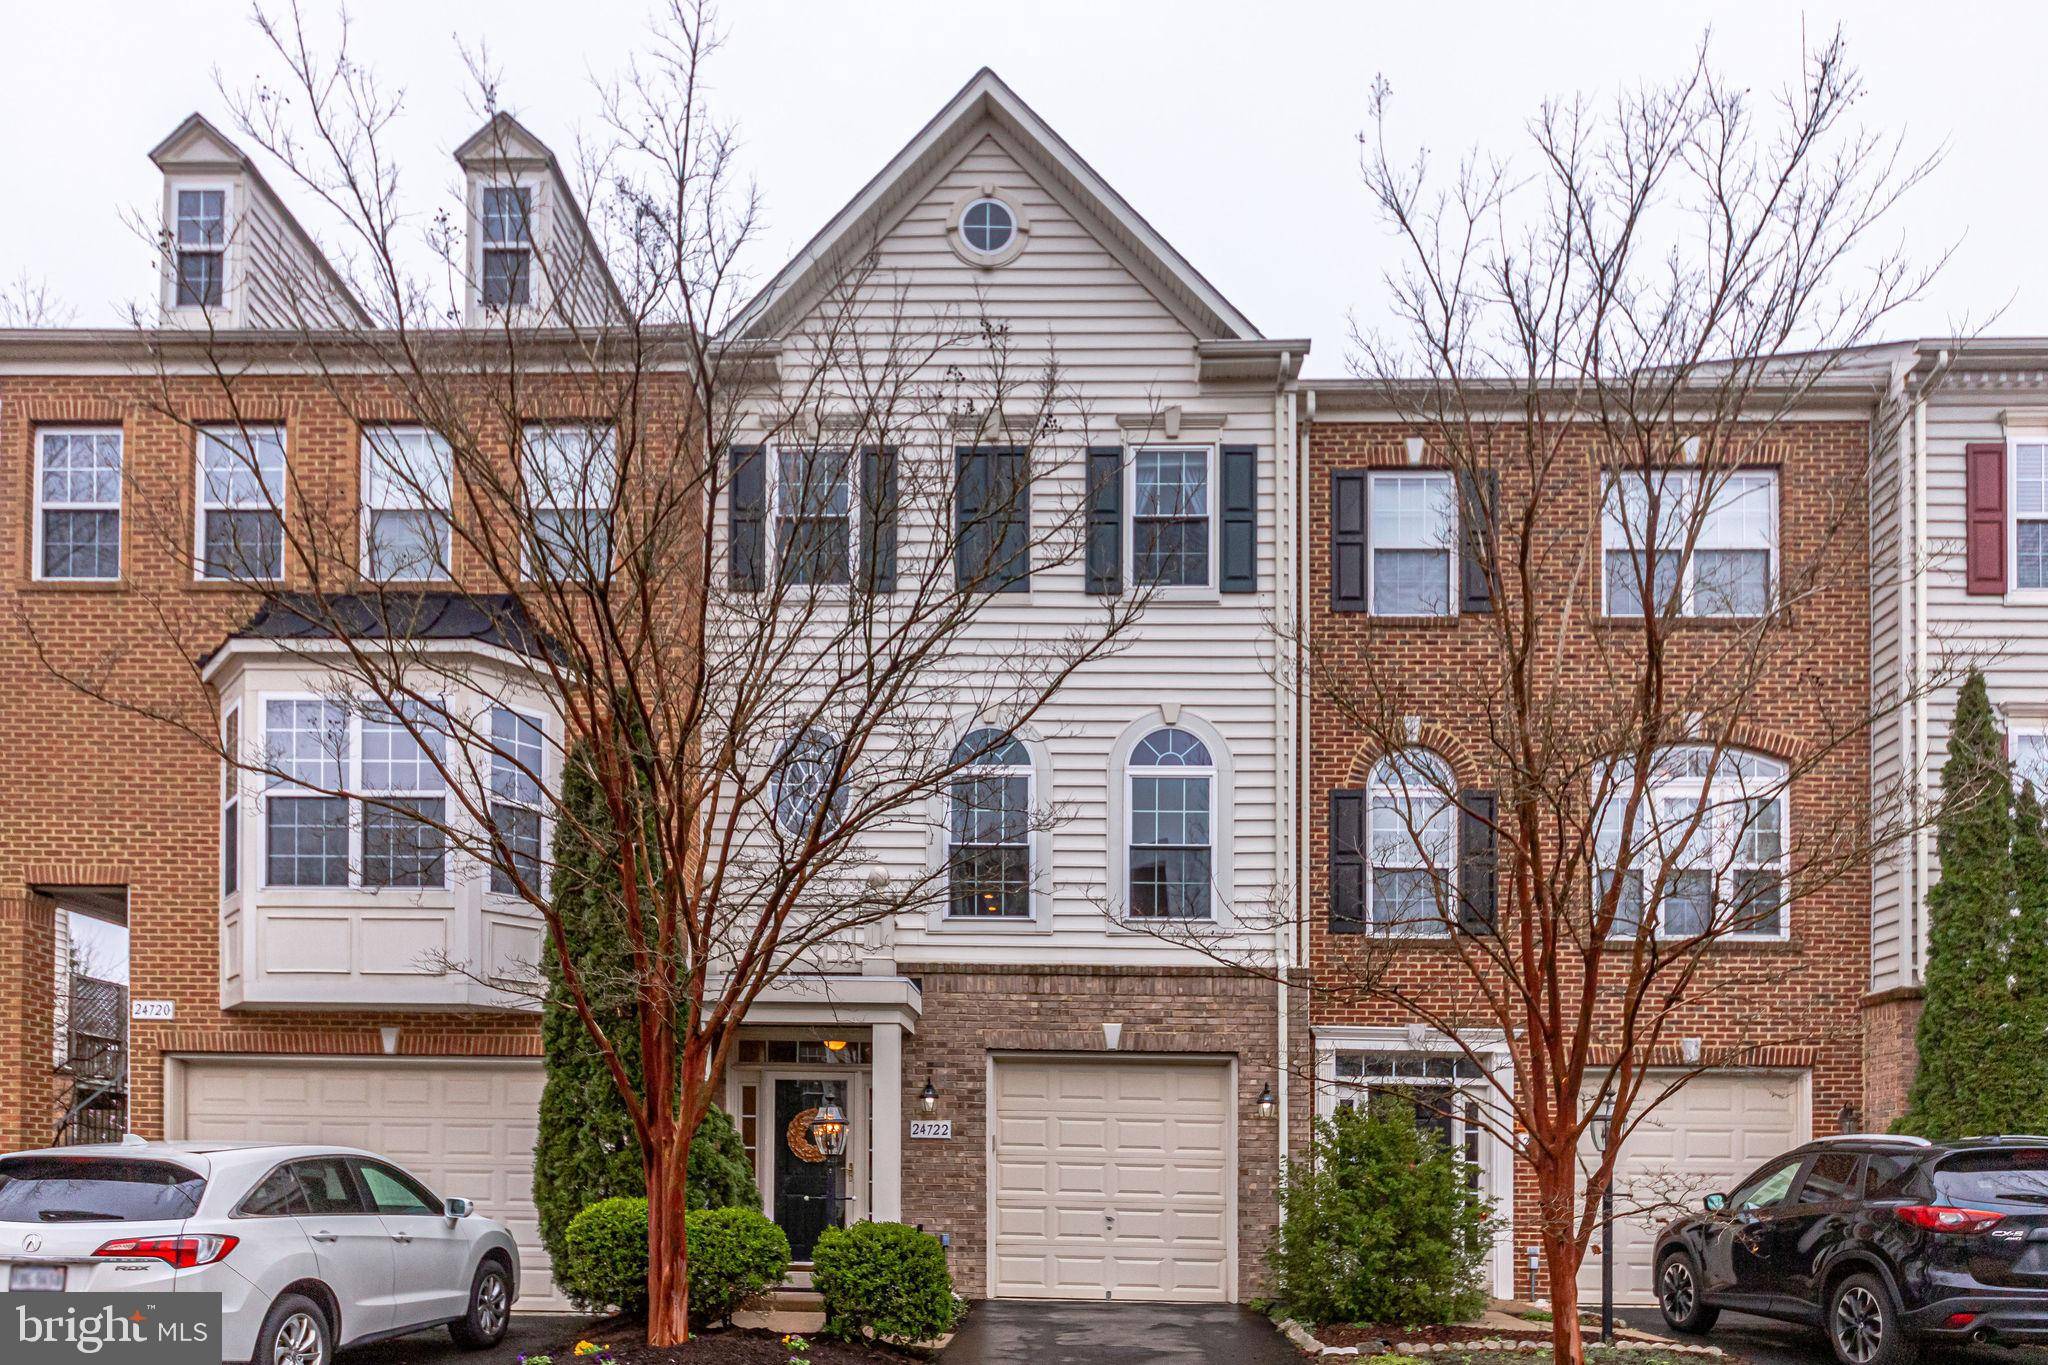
(798, 1135)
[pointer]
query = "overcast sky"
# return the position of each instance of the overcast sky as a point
(1230, 126)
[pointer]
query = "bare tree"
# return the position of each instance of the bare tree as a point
(763, 691)
(1611, 347)
(28, 301)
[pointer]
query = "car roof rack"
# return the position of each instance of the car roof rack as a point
(1896, 1139)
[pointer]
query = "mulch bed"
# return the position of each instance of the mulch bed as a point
(1373, 1333)
(625, 1341)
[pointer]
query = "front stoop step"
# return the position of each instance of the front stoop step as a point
(786, 1301)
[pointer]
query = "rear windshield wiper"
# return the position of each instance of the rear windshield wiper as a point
(78, 1216)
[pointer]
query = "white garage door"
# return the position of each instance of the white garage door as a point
(466, 1128)
(1715, 1130)
(1112, 1179)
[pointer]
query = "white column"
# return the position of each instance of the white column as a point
(885, 1158)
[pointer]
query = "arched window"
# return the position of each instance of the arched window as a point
(802, 782)
(988, 858)
(1413, 844)
(1707, 845)
(1171, 783)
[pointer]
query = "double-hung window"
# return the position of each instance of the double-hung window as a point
(405, 801)
(517, 760)
(1707, 845)
(1414, 537)
(231, 803)
(306, 834)
(1731, 523)
(2028, 741)
(78, 504)
(2030, 514)
(989, 857)
(813, 514)
(571, 472)
(1172, 522)
(200, 245)
(407, 486)
(241, 502)
(506, 214)
(1412, 888)
(1171, 787)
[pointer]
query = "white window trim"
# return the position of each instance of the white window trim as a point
(537, 210)
(231, 806)
(1447, 873)
(229, 309)
(1686, 482)
(367, 510)
(956, 239)
(2028, 723)
(1450, 551)
(1497, 1158)
(491, 798)
(118, 507)
(1210, 591)
(272, 784)
(771, 540)
(1719, 795)
(940, 918)
(2015, 437)
(528, 568)
(1222, 796)
(200, 505)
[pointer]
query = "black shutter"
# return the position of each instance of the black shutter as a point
(1105, 568)
(1347, 861)
(878, 519)
(1240, 519)
(1478, 536)
(992, 520)
(1349, 492)
(1478, 896)
(746, 509)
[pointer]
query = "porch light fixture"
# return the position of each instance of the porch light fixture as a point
(928, 1098)
(1602, 1119)
(828, 1129)
(835, 1045)
(1267, 1105)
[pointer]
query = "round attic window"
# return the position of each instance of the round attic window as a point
(988, 227)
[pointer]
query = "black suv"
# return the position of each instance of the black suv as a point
(1880, 1241)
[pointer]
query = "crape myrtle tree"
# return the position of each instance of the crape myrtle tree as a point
(1638, 712)
(767, 668)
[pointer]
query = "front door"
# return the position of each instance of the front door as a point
(810, 1187)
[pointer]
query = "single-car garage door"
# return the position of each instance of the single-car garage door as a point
(466, 1128)
(1716, 1129)
(1112, 1179)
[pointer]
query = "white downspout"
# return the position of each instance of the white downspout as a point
(1287, 546)
(1909, 886)
(1923, 854)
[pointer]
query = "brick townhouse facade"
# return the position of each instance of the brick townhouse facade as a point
(1781, 1008)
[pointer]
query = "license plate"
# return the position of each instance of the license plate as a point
(30, 1279)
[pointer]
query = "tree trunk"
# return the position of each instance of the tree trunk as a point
(668, 1248)
(1557, 1197)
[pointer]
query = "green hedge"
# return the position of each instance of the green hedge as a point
(734, 1255)
(883, 1280)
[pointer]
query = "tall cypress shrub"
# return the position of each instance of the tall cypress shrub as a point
(1969, 1075)
(2028, 962)
(586, 1150)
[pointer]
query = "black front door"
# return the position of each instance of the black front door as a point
(810, 1188)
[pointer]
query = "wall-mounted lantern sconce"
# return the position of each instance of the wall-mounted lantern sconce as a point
(1268, 1106)
(928, 1098)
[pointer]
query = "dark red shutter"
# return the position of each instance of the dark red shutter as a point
(1984, 533)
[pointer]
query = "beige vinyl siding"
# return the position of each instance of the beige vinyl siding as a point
(2008, 639)
(1121, 351)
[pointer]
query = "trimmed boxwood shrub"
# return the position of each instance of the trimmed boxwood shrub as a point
(734, 1255)
(1380, 1225)
(883, 1280)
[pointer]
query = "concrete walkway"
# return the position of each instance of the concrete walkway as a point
(1011, 1332)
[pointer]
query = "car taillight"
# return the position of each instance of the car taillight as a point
(180, 1252)
(1942, 1218)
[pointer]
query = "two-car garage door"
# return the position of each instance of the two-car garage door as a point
(466, 1128)
(1716, 1129)
(1112, 1179)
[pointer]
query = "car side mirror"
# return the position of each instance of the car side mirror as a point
(1715, 1202)
(457, 1207)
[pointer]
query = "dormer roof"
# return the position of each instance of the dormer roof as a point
(506, 144)
(985, 100)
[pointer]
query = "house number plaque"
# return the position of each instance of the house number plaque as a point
(931, 1128)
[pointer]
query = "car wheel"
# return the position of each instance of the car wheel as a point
(294, 1332)
(1678, 1294)
(490, 1309)
(1864, 1327)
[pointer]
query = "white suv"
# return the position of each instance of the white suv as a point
(308, 1247)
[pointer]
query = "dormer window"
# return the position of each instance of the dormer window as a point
(507, 218)
(201, 240)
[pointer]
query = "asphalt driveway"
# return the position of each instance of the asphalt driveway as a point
(1775, 1343)
(1122, 1333)
(528, 1334)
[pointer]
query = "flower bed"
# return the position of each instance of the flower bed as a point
(622, 1341)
